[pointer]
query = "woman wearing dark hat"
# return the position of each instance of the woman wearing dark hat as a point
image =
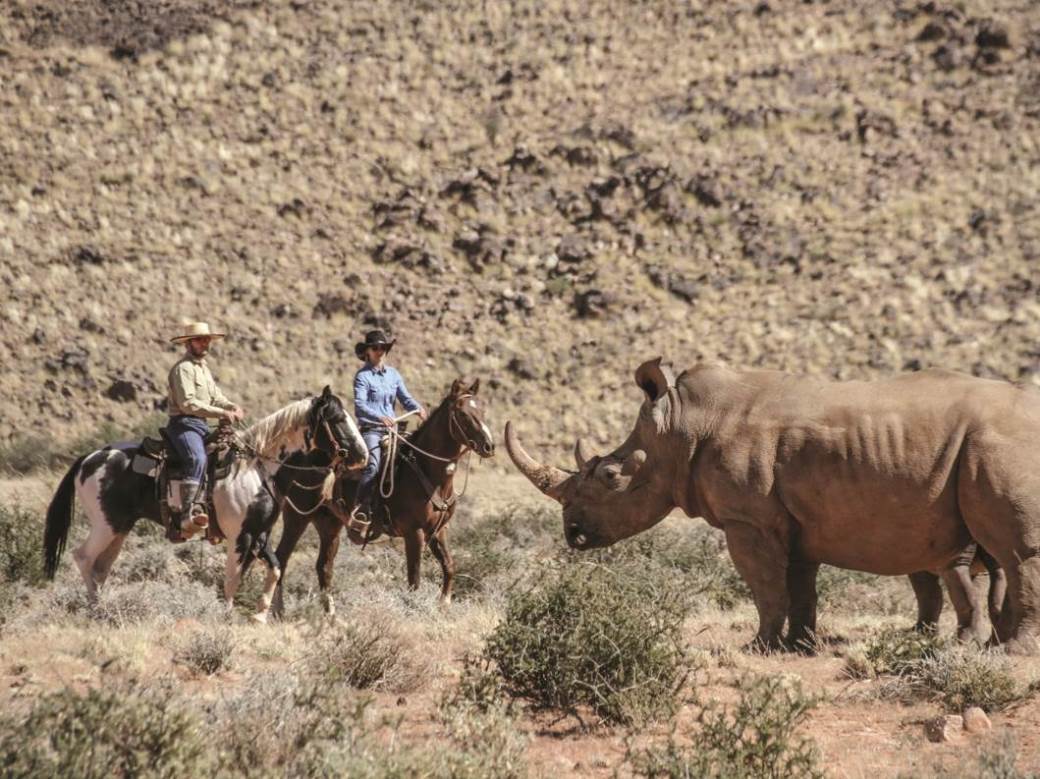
(376, 388)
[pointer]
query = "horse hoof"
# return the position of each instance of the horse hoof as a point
(259, 619)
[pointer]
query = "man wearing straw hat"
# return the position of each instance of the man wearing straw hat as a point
(193, 398)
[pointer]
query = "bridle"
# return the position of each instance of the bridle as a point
(466, 442)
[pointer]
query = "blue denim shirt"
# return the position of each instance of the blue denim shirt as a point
(375, 391)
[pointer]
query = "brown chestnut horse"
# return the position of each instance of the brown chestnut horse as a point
(418, 509)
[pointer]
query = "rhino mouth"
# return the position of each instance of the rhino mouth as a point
(576, 537)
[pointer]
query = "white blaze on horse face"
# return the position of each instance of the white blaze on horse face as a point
(487, 432)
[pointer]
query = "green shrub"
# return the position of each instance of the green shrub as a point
(897, 651)
(592, 636)
(208, 652)
(964, 675)
(754, 739)
(695, 556)
(21, 541)
(103, 733)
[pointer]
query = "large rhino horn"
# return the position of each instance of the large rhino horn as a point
(581, 453)
(545, 477)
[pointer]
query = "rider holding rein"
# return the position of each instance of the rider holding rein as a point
(193, 398)
(376, 388)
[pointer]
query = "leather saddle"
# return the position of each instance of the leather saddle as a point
(157, 456)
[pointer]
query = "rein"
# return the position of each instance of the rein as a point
(396, 438)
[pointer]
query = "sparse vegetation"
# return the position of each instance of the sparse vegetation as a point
(208, 651)
(958, 675)
(21, 533)
(124, 731)
(753, 739)
(594, 636)
(367, 655)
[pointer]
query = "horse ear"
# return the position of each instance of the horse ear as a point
(457, 387)
(654, 378)
(327, 392)
(474, 387)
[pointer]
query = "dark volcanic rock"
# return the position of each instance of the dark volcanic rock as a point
(870, 124)
(592, 303)
(679, 285)
(480, 245)
(993, 35)
(408, 253)
(70, 359)
(330, 304)
(121, 390)
(572, 248)
(705, 189)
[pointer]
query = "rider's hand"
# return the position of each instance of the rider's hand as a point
(234, 414)
(421, 413)
(388, 421)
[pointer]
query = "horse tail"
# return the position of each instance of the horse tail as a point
(59, 519)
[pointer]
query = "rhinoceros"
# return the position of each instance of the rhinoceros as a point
(959, 576)
(893, 477)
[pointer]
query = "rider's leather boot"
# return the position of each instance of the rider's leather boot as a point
(359, 526)
(193, 517)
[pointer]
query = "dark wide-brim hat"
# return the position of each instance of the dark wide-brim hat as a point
(373, 338)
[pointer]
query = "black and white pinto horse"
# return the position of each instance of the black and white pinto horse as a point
(246, 501)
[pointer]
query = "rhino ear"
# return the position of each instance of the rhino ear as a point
(654, 378)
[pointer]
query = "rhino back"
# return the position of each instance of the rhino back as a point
(868, 470)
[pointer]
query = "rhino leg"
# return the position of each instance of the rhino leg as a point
(965, 602)
(761, 557)
(997, 591)
(999, 499)
(928, 591)
(801, 585)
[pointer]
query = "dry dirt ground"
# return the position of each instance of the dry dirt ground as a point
(538, 194)
(151, 610)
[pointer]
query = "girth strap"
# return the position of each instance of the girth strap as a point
(432, 492)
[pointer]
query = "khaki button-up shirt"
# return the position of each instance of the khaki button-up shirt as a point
(193, 390)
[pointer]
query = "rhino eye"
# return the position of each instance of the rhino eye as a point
(611, 476)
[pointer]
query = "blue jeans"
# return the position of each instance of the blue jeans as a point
(371, 471)
(188, 435)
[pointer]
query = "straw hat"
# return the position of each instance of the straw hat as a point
(191, 330)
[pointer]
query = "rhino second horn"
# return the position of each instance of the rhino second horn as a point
(545, 477)
(581, 453)
(633, 463)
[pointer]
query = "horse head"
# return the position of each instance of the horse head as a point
(466, 420)
(331, 429)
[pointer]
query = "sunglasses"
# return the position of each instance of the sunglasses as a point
(377, 348)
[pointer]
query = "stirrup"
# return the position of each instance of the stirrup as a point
(358, 521)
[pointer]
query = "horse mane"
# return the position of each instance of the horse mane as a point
(270, 431)
(431, 416)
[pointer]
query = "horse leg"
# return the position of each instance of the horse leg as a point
(439, 547)
(413, 546)
(232, 575)
(292, 528)
(328, 531)
(274, 575)
(103, 564)
(98, 540)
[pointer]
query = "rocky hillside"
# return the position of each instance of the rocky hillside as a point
(538, 194)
